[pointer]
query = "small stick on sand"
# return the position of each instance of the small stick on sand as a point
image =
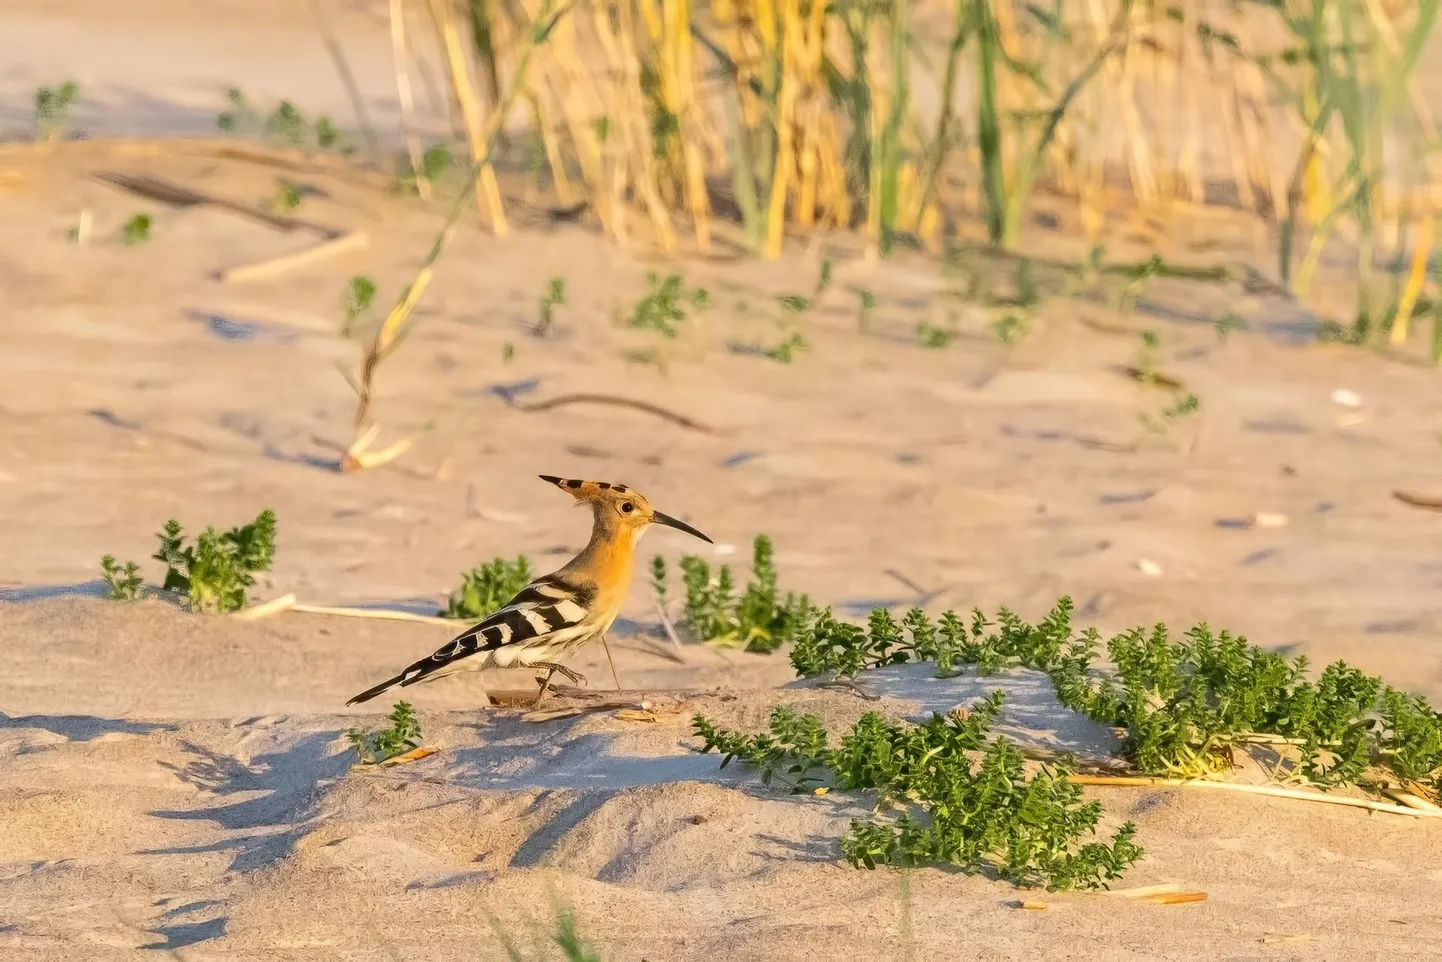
(625, 402)
(276, 266)
(1429, 501)
(1142, 781)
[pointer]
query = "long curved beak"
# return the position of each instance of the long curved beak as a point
(670, 522)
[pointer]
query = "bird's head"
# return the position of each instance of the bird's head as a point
(619, 508)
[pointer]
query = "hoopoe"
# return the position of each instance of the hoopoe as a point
(556, 613)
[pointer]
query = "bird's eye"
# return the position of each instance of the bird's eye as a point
(627, 507)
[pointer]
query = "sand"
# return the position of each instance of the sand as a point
(179, 783)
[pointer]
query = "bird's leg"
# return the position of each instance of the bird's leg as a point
(545, 683)
(614, 677)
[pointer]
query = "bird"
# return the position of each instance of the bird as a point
(557, 613)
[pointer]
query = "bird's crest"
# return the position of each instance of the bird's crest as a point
(588, 490)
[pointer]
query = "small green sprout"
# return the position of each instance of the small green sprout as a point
(136, 230)
(1010, 329)
(360, 295)
(287, 197)
(555, 296)
(867, 301)
(663, 304)
(1171, 414)
(658, 579)
(793, 303)
(931, 336)
(125, 584)
(403, 734)
(1228, 323)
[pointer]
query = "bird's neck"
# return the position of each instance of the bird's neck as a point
(608, 558)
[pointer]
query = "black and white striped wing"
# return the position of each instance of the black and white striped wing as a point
(546, 610)
(545, 607)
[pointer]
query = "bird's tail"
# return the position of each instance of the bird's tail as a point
(383, 687)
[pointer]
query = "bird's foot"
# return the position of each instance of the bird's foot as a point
(552, 669)
(574, 676)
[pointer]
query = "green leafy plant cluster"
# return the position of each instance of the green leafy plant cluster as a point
(948, 795)
(216, 570)
(285, 123)
(664, 304)
(435, 161)
(125, 584)
(1185, 705)
(761, 620)
(52, 109)
(403, 734)
(486, 588)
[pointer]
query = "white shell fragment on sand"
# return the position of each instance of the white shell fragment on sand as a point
(1347, 398)
(1149, 567)
(1268, 519)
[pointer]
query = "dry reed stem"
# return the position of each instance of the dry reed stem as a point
(458, 67)
(264, 610)
(376, 614)
(1416, 277)
(403, 94)
(347, 79)
(1143, 781)
(275, 266)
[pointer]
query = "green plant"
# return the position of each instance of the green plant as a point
(932, 336)
(136, 230)
(785, 351)
(659, 577)
(555, 296)
(867, 303)
(284, 123)
(287, 197)
(124, 585)
(52, 109)
(435, 161)
(1186, 707)
(759, 621)
(1228, 323)
(1006, 192)
(240, 115)
(1171, 414)
(1146, 365)
(1027, 293)
(566, 937)
(403, 734)
(664, 304)
(360, 295)
(793, 304)
(1010, 328)
(978, 815)
(823, 278)
(215, 572)
(287, 123)
(487, 587)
